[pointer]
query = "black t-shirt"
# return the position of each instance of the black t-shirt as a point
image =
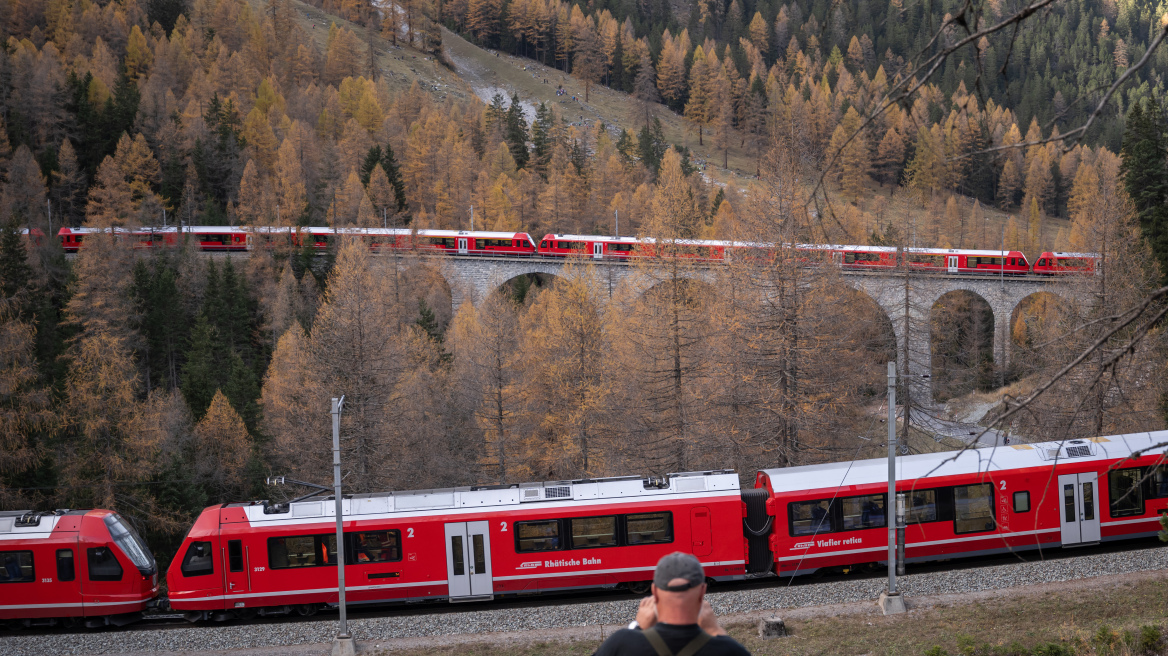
(632, 642)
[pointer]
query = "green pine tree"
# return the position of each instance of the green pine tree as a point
(515, 133)
(542, 141)
(203, 369)
(1145, 174)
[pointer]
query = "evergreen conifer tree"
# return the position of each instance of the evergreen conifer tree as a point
(515, 133)
(1145, 174)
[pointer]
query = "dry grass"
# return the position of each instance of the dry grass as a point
(1098, 621)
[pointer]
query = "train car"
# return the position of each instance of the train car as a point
(1013, 263)
(453, 242)
(461, 544)
(35, 237)
(73, 566)
(981, 501)
(1057, 264)
(599, 247)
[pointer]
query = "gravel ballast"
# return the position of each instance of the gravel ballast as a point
(560, 614)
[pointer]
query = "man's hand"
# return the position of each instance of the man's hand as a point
(647, 613)
(707, 620)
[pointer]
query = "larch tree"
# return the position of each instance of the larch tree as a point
(699, 108)
(24, 193)
(485, 346)
(645, 87)
(67, 184)
(26, 414)
(220, 449)
(110, 198)
(291, 198)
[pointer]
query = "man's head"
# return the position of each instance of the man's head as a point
(678, 587)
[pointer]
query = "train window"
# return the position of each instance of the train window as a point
(1125, 492)
(624, 248)
(810, 517)
(543, 244)
(649, 528)
(235, 555)
(302, 551)
(374, 546)
(1022, 502)
(922, 506)
(1041, 261)
(456, 555)
(131, 543)
(66, 568)
(198, 561)
(849, 258)
(590, 532)
(973, 508)
(479, 553)
(1159, 483)
(863, 512)
(543, 535)
(103, 565)
(17, 567)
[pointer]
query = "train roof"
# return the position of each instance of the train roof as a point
(970, 461)
(466, 498)
(1058, 254)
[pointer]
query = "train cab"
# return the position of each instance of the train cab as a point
(74, 567)
(1058, 264)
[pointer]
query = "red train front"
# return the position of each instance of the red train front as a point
(458, 543)
(73, 566)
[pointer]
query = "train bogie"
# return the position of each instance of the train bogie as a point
(456, 544)
(73, 566)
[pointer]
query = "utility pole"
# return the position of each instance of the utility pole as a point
(616, 216)
(343, 645)
(891, 601)
(472, 218)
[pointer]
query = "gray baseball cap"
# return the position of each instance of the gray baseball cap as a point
(678, 565)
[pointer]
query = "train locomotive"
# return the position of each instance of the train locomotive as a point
(73, 566)
(476, 543)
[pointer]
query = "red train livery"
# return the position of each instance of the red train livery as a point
(982, 501)
(79, 566)
(459, 544)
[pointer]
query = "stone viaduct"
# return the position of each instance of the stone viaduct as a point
(472, 278)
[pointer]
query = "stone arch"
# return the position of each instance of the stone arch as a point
(521, 286)
(1031, 320)
(962, 336)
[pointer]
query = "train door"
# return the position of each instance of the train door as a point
(237, 573)
(597, 250)
(66, 584)
(699, 531)
(1079, 494)
(462, 245)
(952, 264)
(468, 561)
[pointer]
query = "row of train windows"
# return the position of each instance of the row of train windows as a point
(851, 258)
(593, 532)
(496, 243)
(19, 566)
(969, 507)
(1128, 488)
(297, 551)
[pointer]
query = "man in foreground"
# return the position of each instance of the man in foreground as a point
(676, 620)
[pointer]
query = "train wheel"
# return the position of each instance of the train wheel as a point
(306, 610)
(246, 613)
(639, 587)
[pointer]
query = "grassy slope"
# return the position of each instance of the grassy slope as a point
(481, 73)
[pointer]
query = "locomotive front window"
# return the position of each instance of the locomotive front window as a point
(589, 532)
(973, 508)
(199, 560)
(103, 565)
(130, 543)
(17, 567)
(66, 568)
(863, 512)
(922, 507)
(374, 546)
(810, 517)
(1021, 502)
(543, 535)
(649, 528)
(1126, 492)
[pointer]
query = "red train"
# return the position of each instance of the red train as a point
(459, 544)
(75, 566)
(520, 244)
(478, 543)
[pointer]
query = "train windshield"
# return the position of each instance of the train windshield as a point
(131, 544)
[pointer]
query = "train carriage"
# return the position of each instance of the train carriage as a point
(624, 248)
(981, 501)
(458, 544)
(1055, 264)
(74, 566)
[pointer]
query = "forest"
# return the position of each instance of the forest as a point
(158, 382)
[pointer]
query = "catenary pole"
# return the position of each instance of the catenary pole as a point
(888, 504)
(338, 405)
